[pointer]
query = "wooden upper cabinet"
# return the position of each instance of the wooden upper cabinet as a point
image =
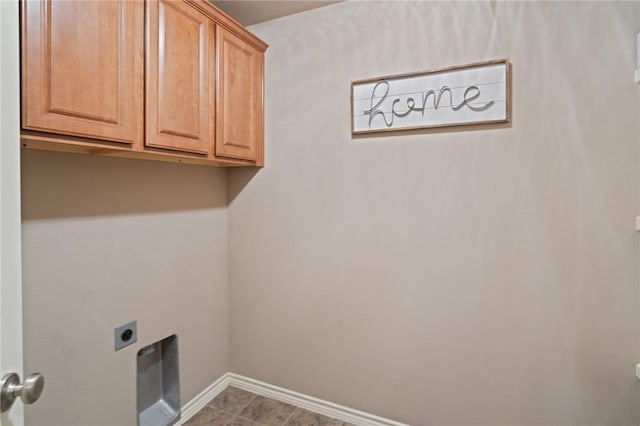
(239, 119)
(179, 76)
(174, 80)
(82, 68)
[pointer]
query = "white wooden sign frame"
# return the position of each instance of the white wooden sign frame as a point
(472, 94)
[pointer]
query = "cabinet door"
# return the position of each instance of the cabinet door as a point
(82, 68)
(180, 40)
(239, 117)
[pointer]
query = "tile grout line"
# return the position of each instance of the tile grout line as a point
(290, 415)
(243, 407)
(248, 419)
(235, 415)
(231, 417)
(238, 415)
(260, 423)
(248, 403)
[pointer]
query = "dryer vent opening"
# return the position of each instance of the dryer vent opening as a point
(158, 383)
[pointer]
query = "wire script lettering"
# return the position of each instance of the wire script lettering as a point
(471, 93)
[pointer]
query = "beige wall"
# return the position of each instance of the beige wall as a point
(466, 277)
(107, 241)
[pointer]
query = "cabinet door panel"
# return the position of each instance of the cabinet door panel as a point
(82, 68)
(239, 126)
(178, 71)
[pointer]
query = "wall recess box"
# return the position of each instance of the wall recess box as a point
(158, 383)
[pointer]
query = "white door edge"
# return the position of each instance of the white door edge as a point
(10, 244)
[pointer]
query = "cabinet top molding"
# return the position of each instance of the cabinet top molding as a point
(229, 23)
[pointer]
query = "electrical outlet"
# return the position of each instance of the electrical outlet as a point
(126, 334)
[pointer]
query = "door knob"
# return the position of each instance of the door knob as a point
(11, 388)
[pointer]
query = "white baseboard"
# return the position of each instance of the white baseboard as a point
(203, 398)
(307, 402)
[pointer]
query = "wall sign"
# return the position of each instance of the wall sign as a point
(463, 95)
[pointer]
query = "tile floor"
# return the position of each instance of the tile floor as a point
(236, 407)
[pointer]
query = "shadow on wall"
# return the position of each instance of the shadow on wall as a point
(57, 185)
(239, 177)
